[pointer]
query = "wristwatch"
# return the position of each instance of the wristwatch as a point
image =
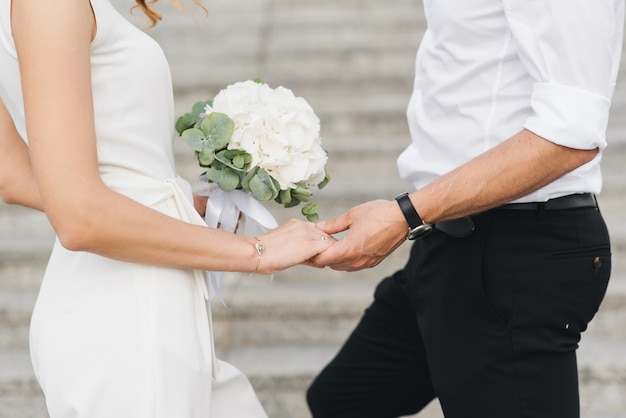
(417, 227)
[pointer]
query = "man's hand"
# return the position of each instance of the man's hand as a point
(374, 230)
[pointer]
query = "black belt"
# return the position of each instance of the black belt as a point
(572, 201)
(462, 227)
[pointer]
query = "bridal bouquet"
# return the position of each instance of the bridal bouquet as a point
(259, 140)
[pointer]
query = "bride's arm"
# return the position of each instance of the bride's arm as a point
(53, 41)
(17, 182)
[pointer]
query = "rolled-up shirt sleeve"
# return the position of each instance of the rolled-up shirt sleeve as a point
(572, 49)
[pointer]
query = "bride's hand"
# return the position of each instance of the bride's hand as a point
(294, 242)
(199, 202)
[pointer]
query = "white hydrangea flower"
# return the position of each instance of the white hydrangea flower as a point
(279, 130)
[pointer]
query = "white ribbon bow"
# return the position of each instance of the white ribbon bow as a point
(223, 210)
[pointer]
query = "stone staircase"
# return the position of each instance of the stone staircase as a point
(353, 61)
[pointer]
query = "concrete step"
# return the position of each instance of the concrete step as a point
(16, 307)
(290, 42)
(281, 374)
(17, 221)
(26, 239)
(20, 394)
(23, 261)
(302, 305)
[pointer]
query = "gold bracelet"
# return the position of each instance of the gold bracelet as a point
(260, 249)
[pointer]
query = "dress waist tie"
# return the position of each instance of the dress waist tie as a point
(177, 195)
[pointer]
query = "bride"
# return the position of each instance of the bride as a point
(121, 327)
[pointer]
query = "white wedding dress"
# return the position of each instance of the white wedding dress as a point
(111, 339)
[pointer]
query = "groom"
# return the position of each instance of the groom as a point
(510, 255)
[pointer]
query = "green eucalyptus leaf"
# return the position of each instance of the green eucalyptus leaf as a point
(206, 157)
(270, 182)
(222, 157)
(198, 107)
(239, 161)
(218, 164)
(184, 122)
(241, 174)
(294, 202)
(232, 153)
(213, 174)
(324, 182)
(259, 188)
(314, 217)
(218, 128)
(276, 185)
(228, 180)
(246, 179)
(310, 209)
(310, 212)
(284, 197)
(195, 138)
(301, 193)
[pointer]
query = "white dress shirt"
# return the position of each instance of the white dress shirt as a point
(487, 69)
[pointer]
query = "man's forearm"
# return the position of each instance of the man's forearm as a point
(515, 168)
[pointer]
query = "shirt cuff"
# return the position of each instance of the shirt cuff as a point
(569, 116)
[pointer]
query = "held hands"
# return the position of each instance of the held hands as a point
(374, 230)
(294, 242)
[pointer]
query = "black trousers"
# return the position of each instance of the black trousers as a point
(488, 324)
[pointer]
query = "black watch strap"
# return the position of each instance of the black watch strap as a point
(417, 227)
(408, 210)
